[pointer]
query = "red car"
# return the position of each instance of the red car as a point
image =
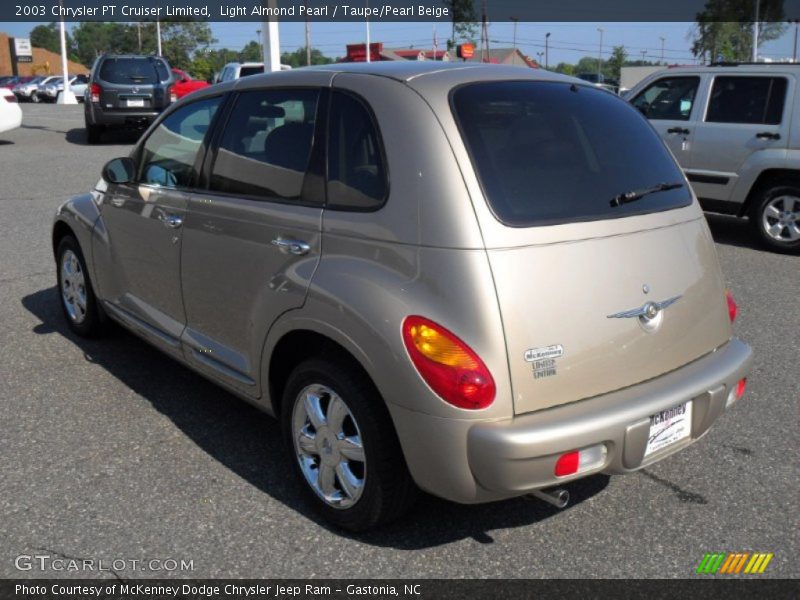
(184, 83)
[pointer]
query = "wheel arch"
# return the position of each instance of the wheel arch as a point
(765, 179)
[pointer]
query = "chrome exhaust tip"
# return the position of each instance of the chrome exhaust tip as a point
(558, 497)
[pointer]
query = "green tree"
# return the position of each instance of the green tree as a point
(465, 27)
(47, 37)
(565, 68)
(724, 30)
(251, 52)
(298, 58)
(613, 66)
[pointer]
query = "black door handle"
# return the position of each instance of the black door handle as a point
(768, 135)
(678, 130)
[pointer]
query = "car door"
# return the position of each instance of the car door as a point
(745, 114)
(144, 222)
(670, 104)
(252, 238)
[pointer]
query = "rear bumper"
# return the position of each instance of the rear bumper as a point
(120, 118)
(476, 462)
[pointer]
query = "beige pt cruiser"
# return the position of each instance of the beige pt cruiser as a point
(477, 280)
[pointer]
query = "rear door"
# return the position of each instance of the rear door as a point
(670, 103)
(252, 238)
(144, 222)
(133, 83)
(745, 114)
(598, 290)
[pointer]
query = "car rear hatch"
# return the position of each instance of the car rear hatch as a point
(134, 84)
(598, 290)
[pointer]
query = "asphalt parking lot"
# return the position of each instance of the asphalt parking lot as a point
(110, 450)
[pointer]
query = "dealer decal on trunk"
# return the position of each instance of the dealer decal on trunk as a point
(543, 360)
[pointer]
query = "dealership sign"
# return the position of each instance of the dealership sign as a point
(23, 51)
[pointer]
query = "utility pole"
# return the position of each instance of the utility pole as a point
(369, 52)
(484, 36)
(663, 39)
(270, 40)
(66, 97)
(547, 50)
(755, 33)
(158, 37)
(600, 53)
(515, 20)
(644, 53)
(139, 31)
(308, 39)
(794, 46)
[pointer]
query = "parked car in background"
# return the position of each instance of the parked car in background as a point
(342, 247)
(10, 81)
(600, 80)
(10, 112)
(735, 130)
(34, 89)
(126, 91)
(24, 90)
(185, 84)
(237, 70)
(49, 92)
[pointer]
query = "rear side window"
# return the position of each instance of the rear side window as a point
(133, 70)
(552, 152)
(754, 100)
(170, 152)
(671, 98)
(266, 145)
(247, 71)
(356, 172)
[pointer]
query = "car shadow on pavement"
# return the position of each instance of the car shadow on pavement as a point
(122, 136)
(249, 442)
(733, 231)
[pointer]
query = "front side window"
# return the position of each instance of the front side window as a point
(356, 172)
(266, 145)
(753, 100)
(671, 98)
(551, 152)
(169, 154)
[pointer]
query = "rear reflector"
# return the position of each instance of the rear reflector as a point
(733, 309)
(447, 364)
(578, 461)
(737, 392)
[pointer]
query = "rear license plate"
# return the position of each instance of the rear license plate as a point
(669, 427)
(135, 104)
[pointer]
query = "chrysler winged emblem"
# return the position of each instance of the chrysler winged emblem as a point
(649, 310)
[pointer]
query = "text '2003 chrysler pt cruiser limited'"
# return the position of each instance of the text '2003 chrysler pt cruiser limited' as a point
(477, 280)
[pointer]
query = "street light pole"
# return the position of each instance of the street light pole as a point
(755, 32)
(368, 57)
(600, 53)
(663, 39)
(547, 50)
(308, 39)
(66, 97)
(515, 20)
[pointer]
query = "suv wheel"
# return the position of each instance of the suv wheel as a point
(776, 217)
(78, 301)
(343, 445)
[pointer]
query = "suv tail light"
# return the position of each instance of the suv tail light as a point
(95, 91)
(447, 364)
(173, 97)
(733, 309)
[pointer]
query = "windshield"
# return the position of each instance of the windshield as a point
(553, 152)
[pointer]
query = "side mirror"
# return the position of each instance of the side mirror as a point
(119, 170)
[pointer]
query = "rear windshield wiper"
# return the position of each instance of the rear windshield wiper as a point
(635, 195)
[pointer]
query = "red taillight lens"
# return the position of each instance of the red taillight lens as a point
(447, 364)
(173, 97)
(10, 98)
(95, 91)
(733, 310)
(567, 464)
(740, 387)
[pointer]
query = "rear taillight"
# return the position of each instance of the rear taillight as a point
(733, 309)
(95, 90)
(10, 98)
(737, 392)
(447, 364)
(173, 97)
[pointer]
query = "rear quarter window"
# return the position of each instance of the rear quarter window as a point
(554, 152)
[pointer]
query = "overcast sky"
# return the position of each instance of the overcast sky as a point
(568, 41)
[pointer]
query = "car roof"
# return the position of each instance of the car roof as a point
(411, 69)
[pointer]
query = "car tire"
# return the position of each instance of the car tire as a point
(93, 133)
(76, 294)
(35, 98)
(775, 216)
(363, 488)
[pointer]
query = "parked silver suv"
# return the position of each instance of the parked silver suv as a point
(479, 280)
(735, 130)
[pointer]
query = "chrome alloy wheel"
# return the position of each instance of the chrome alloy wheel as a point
(781, 219)
(73, 287)
(328, 445)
